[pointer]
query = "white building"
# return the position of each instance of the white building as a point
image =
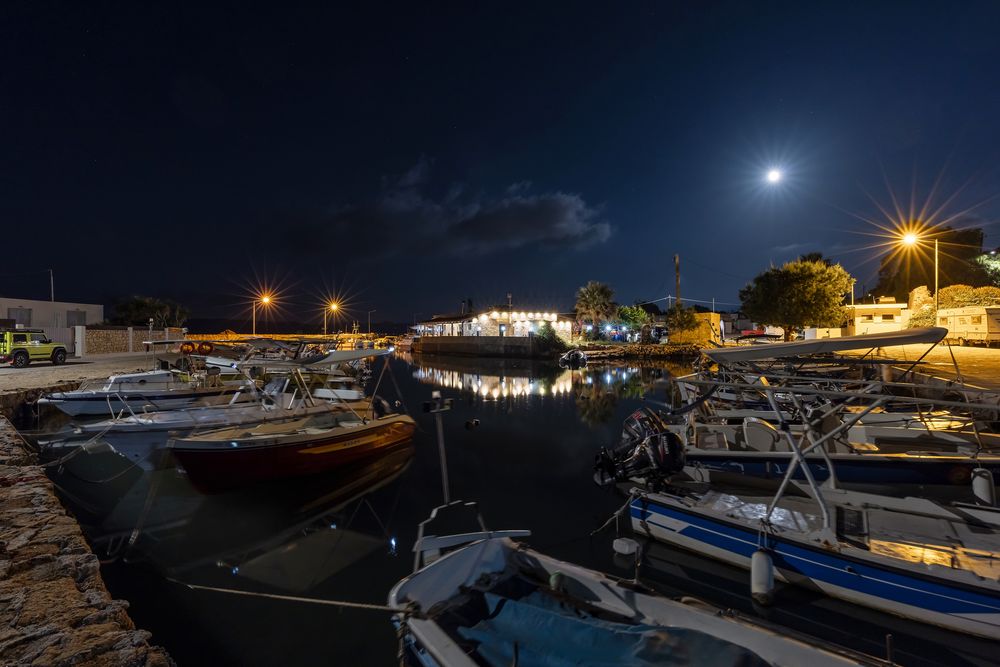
(499, 321)
(49, 314)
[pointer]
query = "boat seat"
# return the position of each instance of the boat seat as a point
(761, 436)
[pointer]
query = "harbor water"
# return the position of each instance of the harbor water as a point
(520, 440)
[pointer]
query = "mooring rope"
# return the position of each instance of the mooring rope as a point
(408, 611)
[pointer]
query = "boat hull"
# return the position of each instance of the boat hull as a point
(113, 404)
(215, 465)
(851, 468)
(922, 597)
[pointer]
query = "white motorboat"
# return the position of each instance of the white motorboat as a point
(149, 390)
(492, 601)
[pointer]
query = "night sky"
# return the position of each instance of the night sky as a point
(407, 156)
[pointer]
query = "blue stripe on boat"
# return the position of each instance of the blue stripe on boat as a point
(886, 583)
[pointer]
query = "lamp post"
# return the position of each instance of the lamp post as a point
(330, 308)
(370, 319)
(912, 239)
(265, 301)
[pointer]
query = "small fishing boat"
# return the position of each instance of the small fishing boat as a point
(754, 448)
(575, 358)
(229, 457)
(149, 390)
(480, 598)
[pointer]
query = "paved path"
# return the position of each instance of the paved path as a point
(979, 365)
(44, 374)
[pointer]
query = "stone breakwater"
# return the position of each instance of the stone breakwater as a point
(54, 607)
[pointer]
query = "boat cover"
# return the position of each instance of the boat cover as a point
(547, 634)
(928, 335)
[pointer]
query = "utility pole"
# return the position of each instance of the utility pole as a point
(52, 286)
(677, 278)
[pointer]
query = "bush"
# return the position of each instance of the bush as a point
(549, 340)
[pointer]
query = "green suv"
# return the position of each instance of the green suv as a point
(20, 347)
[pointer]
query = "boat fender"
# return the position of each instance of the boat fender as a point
(187, 348)
(205, 348)
(983, 487)
(380, 407)
(625, 546)
(762, 577)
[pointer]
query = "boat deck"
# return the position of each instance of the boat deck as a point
(917, 538)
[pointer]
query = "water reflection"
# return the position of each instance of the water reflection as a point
(288, 536)
(595, 390)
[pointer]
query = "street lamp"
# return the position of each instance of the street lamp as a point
(331, 308)
(370, 320)
(774, 176)
(265, 300)
(912, 239)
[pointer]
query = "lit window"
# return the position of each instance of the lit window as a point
(888, 317)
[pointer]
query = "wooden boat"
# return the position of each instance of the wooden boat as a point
(492, 601)
(231, 457)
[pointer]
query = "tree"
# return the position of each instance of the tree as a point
(681, 318)
(634, 317)
(594, 302)
(958, 251)
(549, 339)
(953, 296)
(801, 293)
(137, 311)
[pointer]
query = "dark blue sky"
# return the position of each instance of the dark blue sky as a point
(411, 155)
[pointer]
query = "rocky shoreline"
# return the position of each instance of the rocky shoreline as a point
(672, 351)
(54, 606)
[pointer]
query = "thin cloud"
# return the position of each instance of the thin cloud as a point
(405, 218)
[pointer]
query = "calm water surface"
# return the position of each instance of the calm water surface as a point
(348, 536)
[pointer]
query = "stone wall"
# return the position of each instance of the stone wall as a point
(479, 346)
(54, 608)
(111, 340)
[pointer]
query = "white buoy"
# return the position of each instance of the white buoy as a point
(762, 577)
(625, 546)
(983, 487)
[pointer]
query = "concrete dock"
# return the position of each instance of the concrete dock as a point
(54, 607)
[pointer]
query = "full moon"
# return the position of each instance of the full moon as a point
(773, 176)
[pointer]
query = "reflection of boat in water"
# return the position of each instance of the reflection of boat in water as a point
(289, 535)
(489, 600)
(231, 457)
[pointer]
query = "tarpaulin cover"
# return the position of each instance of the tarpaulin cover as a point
(549, 634)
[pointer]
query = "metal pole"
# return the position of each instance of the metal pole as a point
(52, 286)
(444, 460)
(937, 301)
(373, 310)
(253, 319)
(324, 321)
(677, 278)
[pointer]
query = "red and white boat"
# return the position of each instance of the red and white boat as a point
(229, 457)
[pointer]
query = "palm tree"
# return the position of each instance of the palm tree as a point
(594, 302)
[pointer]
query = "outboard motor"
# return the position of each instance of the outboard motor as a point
(659, 455)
